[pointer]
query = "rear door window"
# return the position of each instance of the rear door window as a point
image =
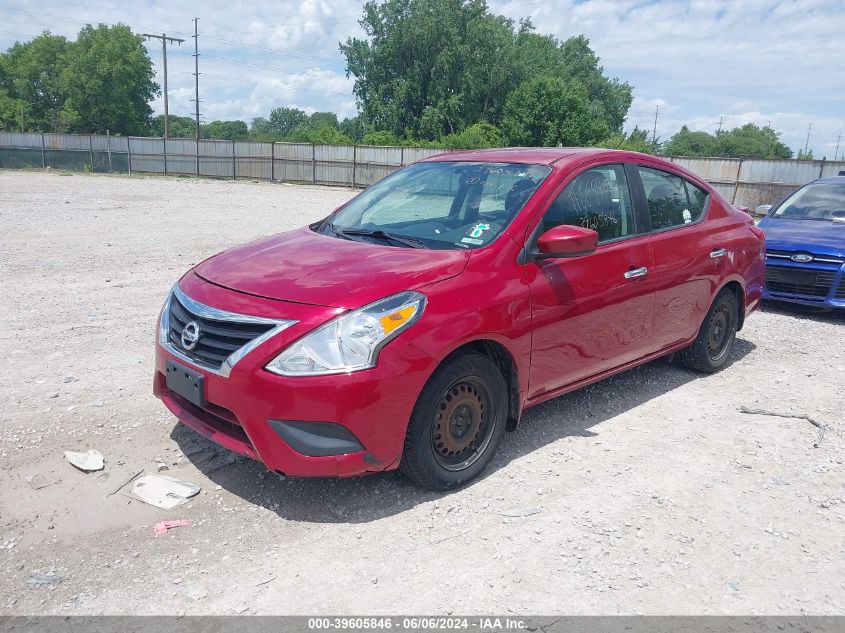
(672, 201)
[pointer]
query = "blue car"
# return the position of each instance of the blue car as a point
(805, 245)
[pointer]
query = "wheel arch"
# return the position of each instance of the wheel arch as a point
(736, 286)
(505, 361)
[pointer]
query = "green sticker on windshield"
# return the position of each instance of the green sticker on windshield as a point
(478, 230)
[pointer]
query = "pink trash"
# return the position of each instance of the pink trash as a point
(161, 527)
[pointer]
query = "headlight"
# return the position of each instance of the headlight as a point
(352, 341)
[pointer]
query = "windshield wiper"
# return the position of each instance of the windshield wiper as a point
(381, 235)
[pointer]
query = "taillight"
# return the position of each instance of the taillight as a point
(761, 235)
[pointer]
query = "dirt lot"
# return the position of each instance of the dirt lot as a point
(658, 496)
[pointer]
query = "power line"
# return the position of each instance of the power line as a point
(267, 85)
(164, 40)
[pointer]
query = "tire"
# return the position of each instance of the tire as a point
(456, 424)
(712, 347)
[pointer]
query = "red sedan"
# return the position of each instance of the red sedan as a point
(417, 323)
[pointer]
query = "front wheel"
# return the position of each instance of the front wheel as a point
(456, 424)
(714, 343)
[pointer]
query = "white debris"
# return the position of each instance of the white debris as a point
(163, 491)
(89, 461)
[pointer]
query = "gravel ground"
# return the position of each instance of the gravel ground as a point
(655, 494)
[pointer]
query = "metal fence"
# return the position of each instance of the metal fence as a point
(347, 165)
(747, 182)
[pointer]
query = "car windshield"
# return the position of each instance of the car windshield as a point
(815, 202)
(439, 205)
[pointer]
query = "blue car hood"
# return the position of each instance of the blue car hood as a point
(815, 236)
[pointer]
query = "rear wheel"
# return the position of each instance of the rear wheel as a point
(714, 343)
(457, 423)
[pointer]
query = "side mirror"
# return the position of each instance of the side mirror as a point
(762, 210)
(566, 241)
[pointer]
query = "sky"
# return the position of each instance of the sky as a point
(777, 62)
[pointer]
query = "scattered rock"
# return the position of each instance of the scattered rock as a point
(194, 592)
(87, 462)
(37, 481)
(44, 580)
(521, 512)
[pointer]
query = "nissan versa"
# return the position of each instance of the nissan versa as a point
(416, 323)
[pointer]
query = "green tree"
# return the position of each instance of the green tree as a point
(180, 126)
(636, 141)
(227, 130)
(688, 143)
(31, 73)
(802, 155)
(322, 119)
(549, 111)
(108, 82)
(430, 68)
(477, 136)
(381, 137)
(283, 121)
(353, 127)
(752, 141)
(324, 135)
(10, 111)
(747, 141)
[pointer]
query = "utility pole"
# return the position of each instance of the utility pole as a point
(654, 131)
(838, 138)
(807, 144)
(197, 90)
(164, 40)
(719, 131)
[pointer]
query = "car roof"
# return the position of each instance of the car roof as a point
(533, 155)
(830, 180)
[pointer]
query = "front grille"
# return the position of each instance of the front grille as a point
(797, 281)
(840, 292)
(217, 339)
(826, 259)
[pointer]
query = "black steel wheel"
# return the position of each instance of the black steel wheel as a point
(714, 343)
(456, 424)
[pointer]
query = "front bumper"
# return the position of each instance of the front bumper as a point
(251, 410)
(830, 295)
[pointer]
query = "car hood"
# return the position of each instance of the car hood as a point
(306, 267)
(816, 236)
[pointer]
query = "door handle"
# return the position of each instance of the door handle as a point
(719, 252)
(636, 272)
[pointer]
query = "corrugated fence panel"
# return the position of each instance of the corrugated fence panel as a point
(216, 159)
(833, 168)
(752, 195)
(293, 162)
(141, 145)
(374, 163)
(710, 169)
(20, 139)
(727, 190)
(793, 172)
(253, 160)
(333, 164)
(104, 143)
(413, 154)
(67, 141)
(250, 148)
